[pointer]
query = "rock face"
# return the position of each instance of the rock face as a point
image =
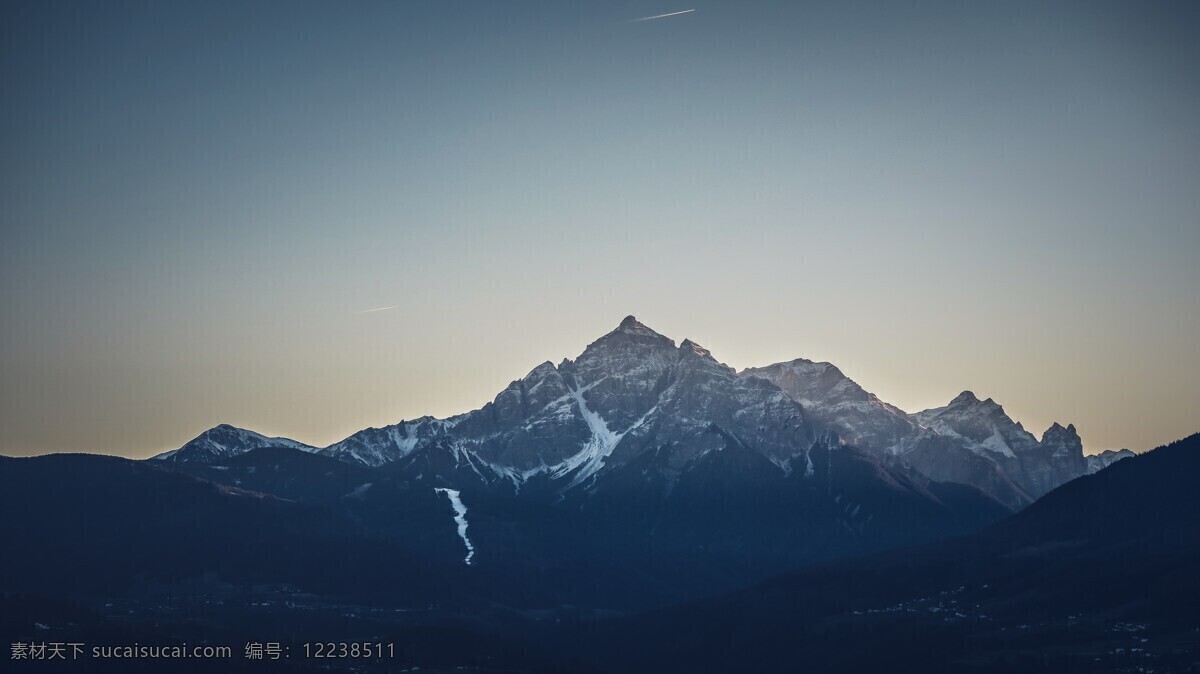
(635, 398)
(982, 427)
(377, 446)
(969, 441)
(836, 401)
(948, 459)
(1058, 458)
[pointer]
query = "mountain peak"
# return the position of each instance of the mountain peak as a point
(632, 326)
(965, 398)
(225, 441)
(632, 330)
(688, 346)
(694, 354)
(1057, 433)
(808, 366)
(808, 371)
(541, 370)
(227, 431)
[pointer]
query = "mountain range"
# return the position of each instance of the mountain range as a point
(634, 392)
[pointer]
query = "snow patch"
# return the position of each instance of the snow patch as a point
(460, 518)
(407, 442)
(996, 443)
(599, 446)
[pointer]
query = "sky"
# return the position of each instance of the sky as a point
(200, 201)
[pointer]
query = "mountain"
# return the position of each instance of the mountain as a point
(635, 392)
(1097, 576)
(634, 412)
(224, 442)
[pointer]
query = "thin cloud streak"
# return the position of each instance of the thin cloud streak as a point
(371, 311)
(663, 16)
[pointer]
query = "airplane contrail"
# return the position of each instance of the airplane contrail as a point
(663, 16)
(371, 311)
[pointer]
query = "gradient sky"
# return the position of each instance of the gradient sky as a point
(199, 200)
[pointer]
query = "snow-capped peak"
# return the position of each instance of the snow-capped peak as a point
(982, 425)
(224, 441)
